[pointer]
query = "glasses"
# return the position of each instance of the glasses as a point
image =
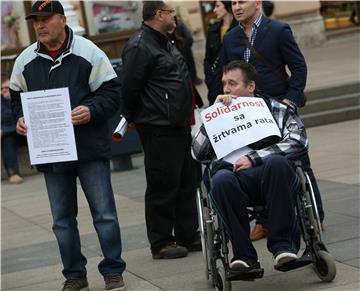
(168, 10)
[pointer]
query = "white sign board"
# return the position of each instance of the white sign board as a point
(245, 121)
(50, 132)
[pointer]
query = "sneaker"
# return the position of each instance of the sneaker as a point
(15, 179)
(258, 232)
(170, 251)
(195, 246)
(114, 282)
(240, 265)
(283, 257)
(76, 285)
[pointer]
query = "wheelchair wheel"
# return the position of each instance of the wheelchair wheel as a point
(315, 219)
(222, 283)
(207, 236)
(308, 209)
(325, 266)
(202, 225)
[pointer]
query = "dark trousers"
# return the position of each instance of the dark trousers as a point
(8, 152)
(274, 184)
(305, 160)
(170, 197)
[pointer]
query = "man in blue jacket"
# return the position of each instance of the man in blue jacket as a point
(62, 59)
(274, 49)
(270, 47)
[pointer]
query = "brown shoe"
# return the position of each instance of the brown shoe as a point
(258, 232)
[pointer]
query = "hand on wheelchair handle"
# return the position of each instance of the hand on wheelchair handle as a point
(242, 163)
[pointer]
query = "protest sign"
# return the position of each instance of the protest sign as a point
(245, 121)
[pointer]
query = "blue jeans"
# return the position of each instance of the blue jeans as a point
(95, 181)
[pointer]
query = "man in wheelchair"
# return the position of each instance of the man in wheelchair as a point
(263, 175)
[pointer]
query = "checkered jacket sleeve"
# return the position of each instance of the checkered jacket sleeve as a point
(201, 148)
(293, 141)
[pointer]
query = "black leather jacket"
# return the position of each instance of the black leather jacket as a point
(156, 88)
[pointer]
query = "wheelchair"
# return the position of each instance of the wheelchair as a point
(215, 239)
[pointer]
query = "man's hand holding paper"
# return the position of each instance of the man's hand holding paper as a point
(80, 115)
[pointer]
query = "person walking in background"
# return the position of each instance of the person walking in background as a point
(62, 59)
(9, 137)
(270, 47)
(214, 39)
(268, 7)
(156, 97)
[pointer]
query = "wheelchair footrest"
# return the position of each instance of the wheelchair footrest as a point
(245, 275)
(298, 263)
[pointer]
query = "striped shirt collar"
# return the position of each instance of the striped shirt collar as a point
(255, 25)
(254, 28)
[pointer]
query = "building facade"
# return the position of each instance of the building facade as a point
(110, 23)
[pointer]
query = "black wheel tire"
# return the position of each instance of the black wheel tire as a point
(315, 219)
(222, 283)
(325, 266)
(202, 225)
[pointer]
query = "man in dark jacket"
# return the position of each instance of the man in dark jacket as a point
(62, 59)
(275, 48)
(157, 98)
(270, 47)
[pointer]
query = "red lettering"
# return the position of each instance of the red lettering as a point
(42, 6)
(207, 117)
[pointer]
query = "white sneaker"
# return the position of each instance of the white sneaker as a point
(238, 264)
(284, 257)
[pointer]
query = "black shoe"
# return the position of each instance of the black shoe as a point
(195, 246)
(241, 265)
(170, 251)
(282, 257)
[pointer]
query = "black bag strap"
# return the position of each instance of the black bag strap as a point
(262, 59)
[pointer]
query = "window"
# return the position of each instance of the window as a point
(112, 16)
(14, 31)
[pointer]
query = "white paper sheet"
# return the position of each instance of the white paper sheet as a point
(245, 121)
(50, 132)
(120, 130)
